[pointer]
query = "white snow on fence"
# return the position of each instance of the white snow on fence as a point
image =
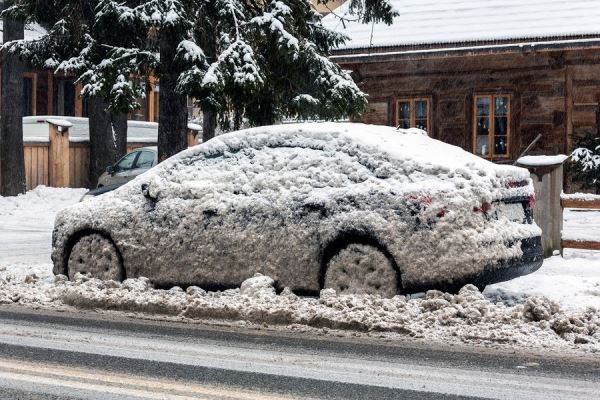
(431, 22)
(541, 161)
(35, 129)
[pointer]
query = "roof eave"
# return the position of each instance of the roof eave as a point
(463, 49)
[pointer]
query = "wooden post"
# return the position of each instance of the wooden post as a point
(192, 137)
(547, 213)
(194, 134)
(58, 157)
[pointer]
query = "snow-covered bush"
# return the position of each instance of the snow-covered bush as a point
(586, 162)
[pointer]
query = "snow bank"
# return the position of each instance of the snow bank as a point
(572, 281)
(26, 223)
(466, 317)
(581, 225)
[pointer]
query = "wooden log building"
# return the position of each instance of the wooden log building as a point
(488, 76)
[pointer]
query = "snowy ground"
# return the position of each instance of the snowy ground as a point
(550, 308)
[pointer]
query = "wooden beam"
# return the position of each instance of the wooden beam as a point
(50, 94)
(151, 99)
(33, 77)
(569, 109)
(580, 244)
(78, 100)
(575, 203)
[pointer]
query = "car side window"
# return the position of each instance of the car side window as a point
(126, 163)
(268, 172)
(145, 160)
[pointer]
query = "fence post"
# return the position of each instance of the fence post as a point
(547, 175)
(58, 157)
(192, 134)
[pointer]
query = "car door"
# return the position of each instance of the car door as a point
(218, 220)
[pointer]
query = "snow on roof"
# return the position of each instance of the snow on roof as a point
(32, 31)
(431, 22)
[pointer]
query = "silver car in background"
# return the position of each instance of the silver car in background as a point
(131, 165)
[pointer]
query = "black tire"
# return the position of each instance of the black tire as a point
(361, 269)
(96, 255)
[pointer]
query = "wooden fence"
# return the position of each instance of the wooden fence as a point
(581, 203)
(59, 162)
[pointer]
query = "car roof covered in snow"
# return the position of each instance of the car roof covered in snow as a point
(411, 146)
(435, 22)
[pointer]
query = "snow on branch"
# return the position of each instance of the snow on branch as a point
(274, 22)
(586, 158)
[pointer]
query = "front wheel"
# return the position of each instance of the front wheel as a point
(96, 255)
(361, 269)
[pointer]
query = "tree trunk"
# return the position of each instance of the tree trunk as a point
(12, 160)
(208, 42)
(108, 137)
(172, 114)
(209, 125)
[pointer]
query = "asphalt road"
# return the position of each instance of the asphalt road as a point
(93, 356)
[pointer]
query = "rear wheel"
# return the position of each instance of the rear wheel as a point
(361, 269)
(96, 255)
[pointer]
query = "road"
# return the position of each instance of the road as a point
(47, 355)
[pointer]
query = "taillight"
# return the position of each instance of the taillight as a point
(516, 184)
(532, 201)
(485, 208)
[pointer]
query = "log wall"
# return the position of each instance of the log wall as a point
(555, 93)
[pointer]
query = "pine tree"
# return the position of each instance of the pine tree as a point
(245, 61)
(72, 46)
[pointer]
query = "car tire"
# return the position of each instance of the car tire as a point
(97, 256)
(361, 269)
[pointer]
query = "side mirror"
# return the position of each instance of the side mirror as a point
(146, 191)
(110, 170)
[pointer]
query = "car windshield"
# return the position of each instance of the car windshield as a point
(145, 160)
(126, 163)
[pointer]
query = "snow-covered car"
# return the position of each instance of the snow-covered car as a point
(358, 208)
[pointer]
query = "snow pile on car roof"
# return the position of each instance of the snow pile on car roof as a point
(420, 163)
(403, 145)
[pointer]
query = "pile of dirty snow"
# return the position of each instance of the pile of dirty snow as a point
(467, 317)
